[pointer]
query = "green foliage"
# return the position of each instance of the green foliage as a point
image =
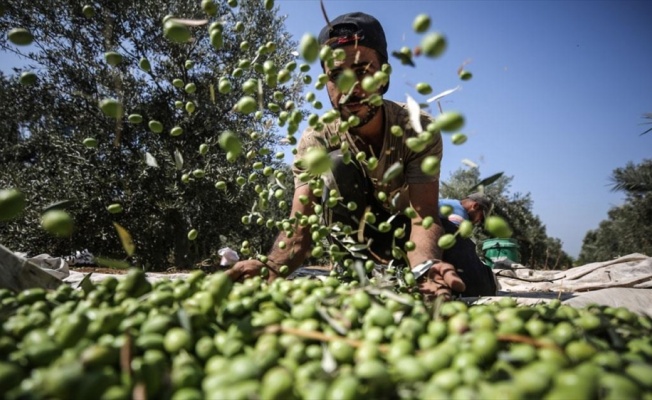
(647, 116)
(537, 249)
(43, 126)
(635, 180)
(628, 228)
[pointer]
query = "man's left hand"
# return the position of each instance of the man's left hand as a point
(441, 280)
(248, 269)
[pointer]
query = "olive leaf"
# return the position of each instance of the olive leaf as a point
(150, 160)
(125, 239)
(86, 284)
(184, 319)
(487, 181)
(393, 171)
(414, 110)
(404, 58)
(648, 116)
(178, 159)
(328, 363)
(279, 183)
(442, 94)
(58, 205)
(190, 22)
(211, 89)
(357, 247)
(358, 267)
(110, 263)
(336, 325)
(469, 163)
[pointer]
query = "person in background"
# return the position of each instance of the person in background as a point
(357, 198)
(475, 208)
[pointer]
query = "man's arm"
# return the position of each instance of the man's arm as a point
(296, 247)
(424, 198)
(442, 278)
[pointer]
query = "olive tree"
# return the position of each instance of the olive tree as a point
(63, 151)
(536, 248)
(628, 228)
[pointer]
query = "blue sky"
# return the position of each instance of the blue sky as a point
(557, 97)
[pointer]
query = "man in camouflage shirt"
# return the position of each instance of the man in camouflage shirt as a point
(386, 182)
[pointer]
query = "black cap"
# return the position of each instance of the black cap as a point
(367, 32)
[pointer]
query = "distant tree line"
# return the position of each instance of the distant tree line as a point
(536, 248)
(628, 228)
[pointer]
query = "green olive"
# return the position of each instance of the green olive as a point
(346, 80)
(449, 121)
(458, 138)
(421, 23)
(424, 88)
(317, 161)
(12, 203)
(246, 105)
(430, 165)
(177, 339)
(176, 131)
(433, 44)
(111, 108)
(176, 32)
(155, 126)
(230, 142)
(465, 75)
(497, 226)
(190, 87)
(27, 78)
(446, 241)
(115, 208)
(57, 222)
(144, 64)
(135, 118)
(465, 229)
(209, 7)
(20, 36)
(88, 11)
(112, 58)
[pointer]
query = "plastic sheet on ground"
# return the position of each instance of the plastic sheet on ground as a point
(55, 266)
(623, 282)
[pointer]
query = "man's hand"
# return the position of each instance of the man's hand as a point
(441, 280)
(248, 269)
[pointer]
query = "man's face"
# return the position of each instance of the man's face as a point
(363, 61)
(476, 215)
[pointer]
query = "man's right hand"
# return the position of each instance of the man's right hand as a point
(248, 269)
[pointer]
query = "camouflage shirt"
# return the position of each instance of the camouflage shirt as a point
(394, 150)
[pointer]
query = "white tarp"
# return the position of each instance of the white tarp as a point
(55, 266)
(623, 282)
(632, 271)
